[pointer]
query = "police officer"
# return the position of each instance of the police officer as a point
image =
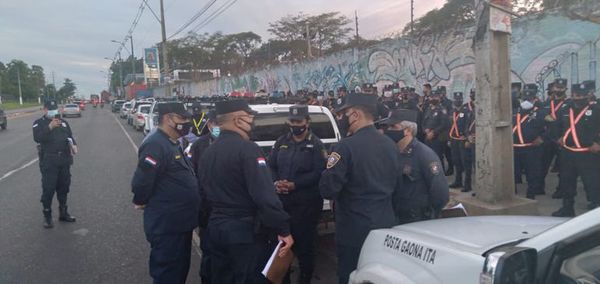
(580, 156)
(297, 161)
(550, 111)
(56, 149)
(165, 187)
(528, 130)
(425, 188)
(362, 175)
(457, 137)
(436, 124)
(239, 188)
(197, 149)
(467, 149)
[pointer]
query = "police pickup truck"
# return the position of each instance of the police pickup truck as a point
(485, 249)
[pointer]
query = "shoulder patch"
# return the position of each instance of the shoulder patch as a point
(333, 159)
(588, 113)
(435, 168)
(35, 125)
(150, 161)
(261, 162)
(283, 147)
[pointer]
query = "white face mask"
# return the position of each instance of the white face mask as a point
(52, 113)
(526, 105)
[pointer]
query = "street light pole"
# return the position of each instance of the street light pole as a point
(164, 45)
(132, 58)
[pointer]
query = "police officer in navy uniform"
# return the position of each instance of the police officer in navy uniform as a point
(467, 150)
(197, 149)
(362, 175)
(580, 153)
(56, 149)
(557, 101)
(425, 186)
(243, 201)
(297, 161)
(457, 137)
(436, 124)
(165, 187)
(528, 130)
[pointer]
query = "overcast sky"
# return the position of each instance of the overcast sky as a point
(72, 37)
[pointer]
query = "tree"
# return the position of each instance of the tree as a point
(67, 90)
(454, 14)
(325, 30)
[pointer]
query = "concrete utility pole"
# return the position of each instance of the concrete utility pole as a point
(356, 20)
(53, 84)
(494, 180)
(132, 58)
(164, 47)
(19, 82)
(412, 17)
(308, 40)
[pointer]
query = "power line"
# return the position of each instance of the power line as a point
(214, 15)
(194, 18)
(131, 28)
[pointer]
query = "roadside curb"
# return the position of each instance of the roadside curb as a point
(21, 112)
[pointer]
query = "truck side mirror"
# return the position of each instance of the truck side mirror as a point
(513, 265)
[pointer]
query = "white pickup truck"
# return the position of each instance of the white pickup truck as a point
(485, 249)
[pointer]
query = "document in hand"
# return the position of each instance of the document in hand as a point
(457, 211)
(277, 267)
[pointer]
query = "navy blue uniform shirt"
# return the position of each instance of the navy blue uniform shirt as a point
(164, 181)
(301, 163)
(238, 183)
(363, 173)
(55, 140)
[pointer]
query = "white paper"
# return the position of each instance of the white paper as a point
(270, 262)
(460, 206)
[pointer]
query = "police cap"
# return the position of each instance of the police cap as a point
(516, 85)
(578, 89)
(590, 85)
(458, 96)
(298, 112)
(51, 105)
(173, 107)
(560, 83)
(533, 87)
(399, 115)
(529, 93)
(358, 99)
(226, 107)
(441, 89)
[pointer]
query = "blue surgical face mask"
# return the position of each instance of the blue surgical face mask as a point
(526, 105)
(215, 131)
(52, 113)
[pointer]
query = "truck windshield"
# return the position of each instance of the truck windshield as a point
(271, 126)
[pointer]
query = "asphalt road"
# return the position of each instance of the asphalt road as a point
(107, 243)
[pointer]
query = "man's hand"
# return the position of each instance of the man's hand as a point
(288, 242)
(54, 123)
(595, 148)
(429, 134)
(538, 141)
(139, 207)
(290, 186)
(74, 150)
(281, 186)
(560, 143)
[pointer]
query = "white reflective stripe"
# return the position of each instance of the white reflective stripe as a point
(35, 125)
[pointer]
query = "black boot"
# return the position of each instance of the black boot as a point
(64, 215)
(467, 187)
(566, 210)
(457, 182)
(48, 219)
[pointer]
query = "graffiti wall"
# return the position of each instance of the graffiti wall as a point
(544, 47)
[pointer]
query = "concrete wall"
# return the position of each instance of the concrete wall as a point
(544, 47)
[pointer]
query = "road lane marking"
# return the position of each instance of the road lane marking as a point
(5, 176)
(126, 134)
(195, 238)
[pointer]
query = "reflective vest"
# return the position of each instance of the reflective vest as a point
(572, 131)
(517, 130)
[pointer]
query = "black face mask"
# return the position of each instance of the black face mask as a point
(252, 127)
(434, 101)
(458, 104)
(344, 125)
(395, 135)
(298, 130)
(183, 128)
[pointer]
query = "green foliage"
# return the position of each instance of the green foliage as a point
(32, 80)
(454, 14)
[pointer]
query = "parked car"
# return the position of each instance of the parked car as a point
(124, 110)
(484, 249)
(71, 110)
(81, 104)
(116, 105)
(133, 111)
(152, 118)
(3, 120)
(140, 116)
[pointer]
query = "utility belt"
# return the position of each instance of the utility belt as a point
(417, 214)
(240, 214)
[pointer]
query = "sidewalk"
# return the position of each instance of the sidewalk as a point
(15, 112)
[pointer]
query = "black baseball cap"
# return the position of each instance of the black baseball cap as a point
(516, 85)
(589, 85)
(399, 115)
(458, 96)
(358, 99)
(560, 82)
(173, 107)
(529, 93)
(51, 105)
(225, 107)
(298, 112)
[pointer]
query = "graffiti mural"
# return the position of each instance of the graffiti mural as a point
(544, 47)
